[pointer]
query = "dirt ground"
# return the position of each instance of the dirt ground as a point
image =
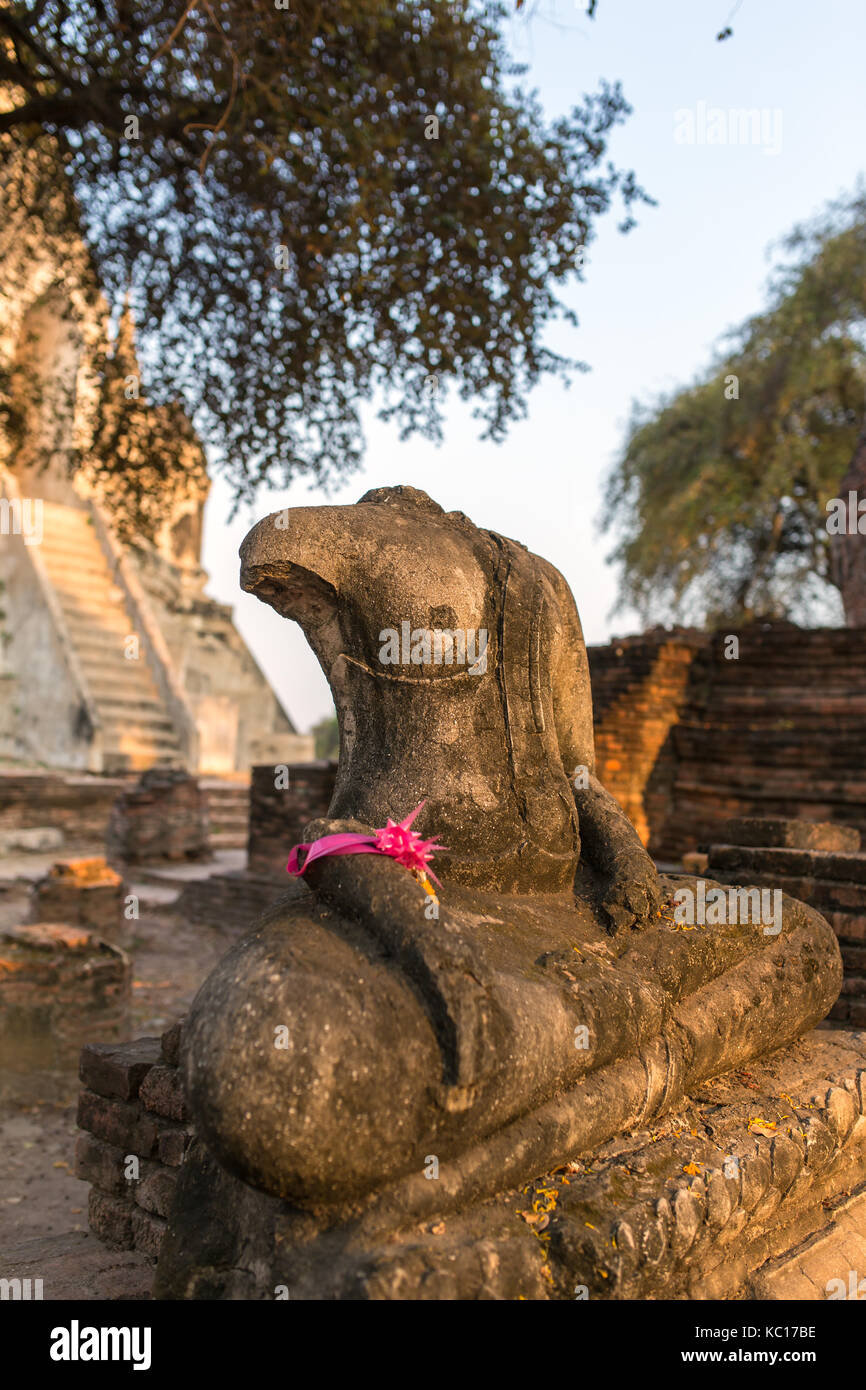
(43, 1206)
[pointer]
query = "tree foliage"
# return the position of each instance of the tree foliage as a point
(720, 493)
(293, 231)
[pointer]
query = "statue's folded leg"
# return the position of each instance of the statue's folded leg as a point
(387, 1037)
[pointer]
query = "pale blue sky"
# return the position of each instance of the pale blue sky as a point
(653, 302)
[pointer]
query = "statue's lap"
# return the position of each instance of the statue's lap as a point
(316, 1060)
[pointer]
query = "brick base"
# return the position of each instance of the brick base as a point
(136, 1134)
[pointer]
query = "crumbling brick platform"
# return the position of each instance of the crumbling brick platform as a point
(132, 1112)
(821, 865)
(59, 985)
(84, 893)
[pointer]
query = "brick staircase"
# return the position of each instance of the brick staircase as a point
(228, 812)
(686, 738)
(779, 732)
(138, 731)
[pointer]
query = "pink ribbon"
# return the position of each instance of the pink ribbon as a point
(397, 840)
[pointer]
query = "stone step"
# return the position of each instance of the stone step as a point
(138, 730)
(122, 733)
(125, 692)
(132, 707)
(91, 596)
(116, 763)
(144, 685)
(107, 623)
(86, 558)
(70, 541)
(156, 749)
(228, 820)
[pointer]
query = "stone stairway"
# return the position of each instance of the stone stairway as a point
(137, 728)
(780, 732)
(686, 738)
(228, 811)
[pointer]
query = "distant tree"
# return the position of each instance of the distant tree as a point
(306, 204)
(721, 493)
(326, 736)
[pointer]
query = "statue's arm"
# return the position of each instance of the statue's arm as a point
(609, 841)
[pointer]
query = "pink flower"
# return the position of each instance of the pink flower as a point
(397, 840)
(406, 846)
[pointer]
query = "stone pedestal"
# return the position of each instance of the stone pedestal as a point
(750, 1188)
(84, 893)
(59, 985)
(821, 865)
(163, 817)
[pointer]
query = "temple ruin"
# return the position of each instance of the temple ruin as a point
(112, 656)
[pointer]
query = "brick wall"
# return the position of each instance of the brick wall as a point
(132, 1111)
(278, 814)
(164, 816)
(77, 804)
(821, 869)
(686, 738)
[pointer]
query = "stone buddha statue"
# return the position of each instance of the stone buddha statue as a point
(549, 998)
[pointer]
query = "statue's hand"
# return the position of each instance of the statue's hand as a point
(633, 893)
(318, 829)
(354, 880)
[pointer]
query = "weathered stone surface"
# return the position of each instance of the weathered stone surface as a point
(643, 1216)
(32, 840)
(765, 832)
(144, 1123)
(148, 1231)
(551, 1001)
(687, 738)
(77, 806)
(102, 1165)
(817, 864)
(173, 1144)
(118, 1069)
(170, 1042)
(282, 801)
(832, 882)
(156, 1191)
(110, 1218)
(235, 899)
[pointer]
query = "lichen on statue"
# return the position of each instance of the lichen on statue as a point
(550, 1001)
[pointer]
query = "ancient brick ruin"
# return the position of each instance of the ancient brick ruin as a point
(135, 1134)
(114, 657)
(84, 893)
(280, 807)
(59, 986)
(687, 739)
(164, 816)
(819, 864)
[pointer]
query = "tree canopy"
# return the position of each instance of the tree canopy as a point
(305, 206)
(720, 494)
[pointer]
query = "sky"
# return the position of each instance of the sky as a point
(653, 303)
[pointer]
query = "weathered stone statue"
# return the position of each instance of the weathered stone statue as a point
(551, 998)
